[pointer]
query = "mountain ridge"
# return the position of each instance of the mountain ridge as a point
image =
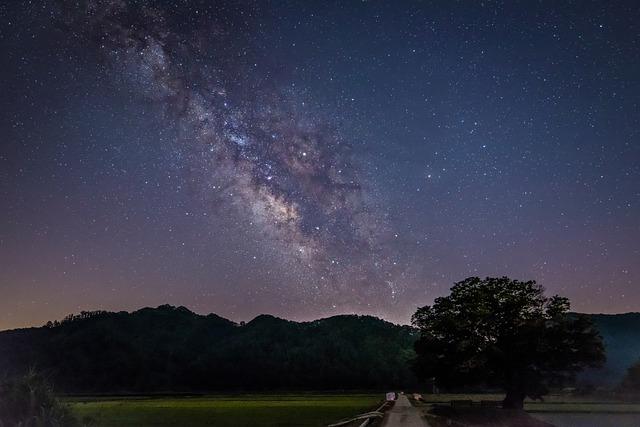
(174, 349)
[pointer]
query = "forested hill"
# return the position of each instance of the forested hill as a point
(174, 349)
(621, 336)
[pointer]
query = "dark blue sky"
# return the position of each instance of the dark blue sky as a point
(312, 158)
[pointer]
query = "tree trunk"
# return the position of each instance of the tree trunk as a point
(513, 400)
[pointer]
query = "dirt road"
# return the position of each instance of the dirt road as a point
(403, 414)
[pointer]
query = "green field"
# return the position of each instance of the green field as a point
(288, 410)
(224, 411)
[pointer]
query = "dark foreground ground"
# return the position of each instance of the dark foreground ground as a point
(441, 416)
(556, 410)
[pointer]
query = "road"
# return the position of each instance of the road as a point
(403, 414)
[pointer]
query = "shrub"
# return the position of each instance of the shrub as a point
(29, 401)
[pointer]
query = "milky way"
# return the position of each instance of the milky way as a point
(252, 143)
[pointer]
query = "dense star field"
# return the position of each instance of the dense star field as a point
(314, 158)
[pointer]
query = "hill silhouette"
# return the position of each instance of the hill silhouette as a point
(171, 349)
(621, 336)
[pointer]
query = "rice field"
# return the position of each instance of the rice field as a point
(299, 410)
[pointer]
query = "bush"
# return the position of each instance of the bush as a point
(29, 401)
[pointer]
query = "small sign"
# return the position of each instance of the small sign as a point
(391, 396)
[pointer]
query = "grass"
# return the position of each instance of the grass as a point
(223, 411)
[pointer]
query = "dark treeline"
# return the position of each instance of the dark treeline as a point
(173, 349)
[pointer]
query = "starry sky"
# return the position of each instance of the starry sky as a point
(313, 158)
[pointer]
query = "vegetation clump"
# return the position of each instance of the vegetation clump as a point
(29, 401)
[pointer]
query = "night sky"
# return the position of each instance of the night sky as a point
(307, 159)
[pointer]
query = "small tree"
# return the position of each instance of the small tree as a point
(505, 333)
(631, 381)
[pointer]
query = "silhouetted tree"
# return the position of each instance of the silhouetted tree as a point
(631, 381)
(499, 332)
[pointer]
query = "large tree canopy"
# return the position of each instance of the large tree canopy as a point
(505, 333)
